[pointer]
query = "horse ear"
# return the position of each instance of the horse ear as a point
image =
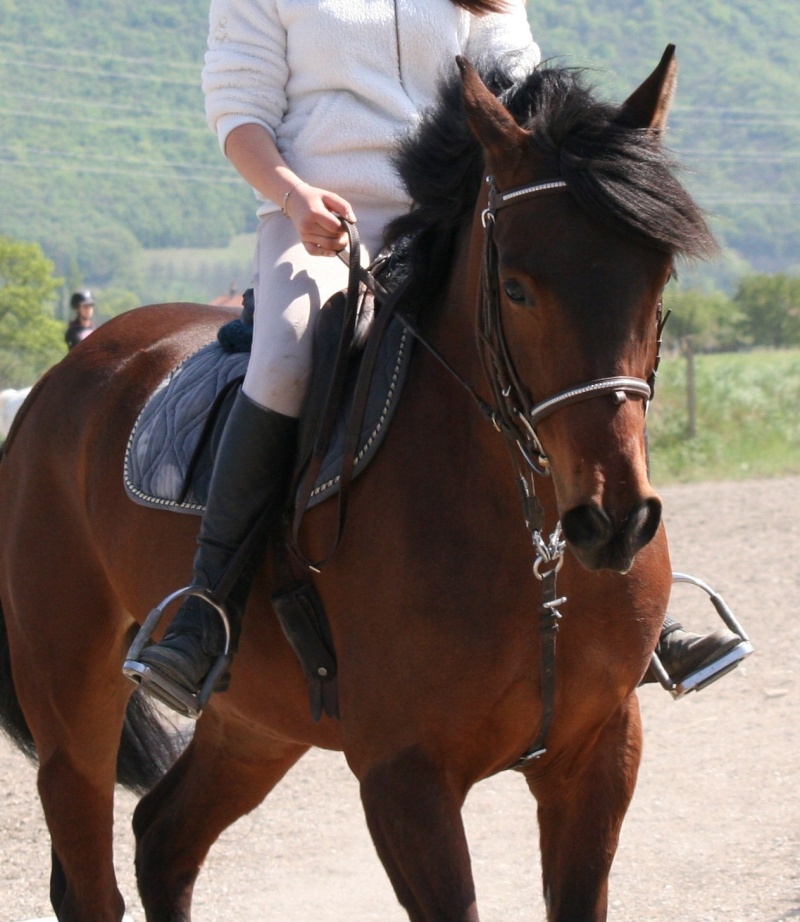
(490, 121)
(648, 106)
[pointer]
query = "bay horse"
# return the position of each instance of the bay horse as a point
(431, 599)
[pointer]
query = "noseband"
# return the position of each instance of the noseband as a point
(517, 414)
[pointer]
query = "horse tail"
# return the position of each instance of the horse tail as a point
(12, 720)
(147, 747)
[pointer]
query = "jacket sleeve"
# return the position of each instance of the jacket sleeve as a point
(245, 74)
(498, 34)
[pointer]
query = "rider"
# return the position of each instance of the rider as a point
(82, 324)
(307, 98)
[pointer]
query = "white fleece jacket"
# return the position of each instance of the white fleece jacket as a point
(339, 82)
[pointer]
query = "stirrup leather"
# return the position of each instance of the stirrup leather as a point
(701, 678)
(171, 693)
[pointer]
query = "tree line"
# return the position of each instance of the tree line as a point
(764, 311)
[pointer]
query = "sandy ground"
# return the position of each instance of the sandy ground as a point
(713, 833)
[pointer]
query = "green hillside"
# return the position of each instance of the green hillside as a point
(104, 145)
(736, 119)
(104, 148)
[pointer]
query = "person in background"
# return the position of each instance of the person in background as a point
(82, 324)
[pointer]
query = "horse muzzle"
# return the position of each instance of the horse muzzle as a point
(602, 542)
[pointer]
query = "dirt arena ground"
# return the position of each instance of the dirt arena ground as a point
(713, 833)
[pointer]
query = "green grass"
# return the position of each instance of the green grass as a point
(748, 424)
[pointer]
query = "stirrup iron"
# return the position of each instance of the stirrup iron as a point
(701, 678)
(171, 693)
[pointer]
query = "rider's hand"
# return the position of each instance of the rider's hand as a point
(316, 215)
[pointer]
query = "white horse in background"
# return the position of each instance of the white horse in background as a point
(10, 401)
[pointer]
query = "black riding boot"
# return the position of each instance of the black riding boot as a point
(685, 656)
(246, 496)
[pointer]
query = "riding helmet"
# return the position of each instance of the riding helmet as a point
(81, 297)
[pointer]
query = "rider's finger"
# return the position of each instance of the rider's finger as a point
(339, 206)
(314, 249)
(328, 241)
(322, 223)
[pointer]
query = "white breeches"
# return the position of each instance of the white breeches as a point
(290, 287)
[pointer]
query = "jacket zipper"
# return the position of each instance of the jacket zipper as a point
(397, 44)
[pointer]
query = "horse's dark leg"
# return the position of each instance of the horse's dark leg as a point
(582, 803)
(58, 881)
(216, 781)
(414, 817)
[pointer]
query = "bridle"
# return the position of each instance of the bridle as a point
(517, 414)
(514, 413)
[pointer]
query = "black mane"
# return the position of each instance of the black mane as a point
(621, 176)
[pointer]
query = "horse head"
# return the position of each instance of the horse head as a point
(584, 221)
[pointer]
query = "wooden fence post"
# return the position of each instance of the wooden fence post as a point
(687, 346)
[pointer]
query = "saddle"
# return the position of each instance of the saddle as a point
(170, 452)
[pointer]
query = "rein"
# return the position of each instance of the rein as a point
(359, 278)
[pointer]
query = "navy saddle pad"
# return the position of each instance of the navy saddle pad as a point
(170, 451)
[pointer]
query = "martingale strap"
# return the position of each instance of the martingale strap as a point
(549, 616)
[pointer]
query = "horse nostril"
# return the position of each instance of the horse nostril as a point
(589, 528)
(642, 525)
(586, 527)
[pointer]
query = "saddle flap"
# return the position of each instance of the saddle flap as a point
(169, 454)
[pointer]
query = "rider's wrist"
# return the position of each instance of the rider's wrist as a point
(289, 191)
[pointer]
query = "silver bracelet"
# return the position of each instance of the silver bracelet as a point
(286, 197)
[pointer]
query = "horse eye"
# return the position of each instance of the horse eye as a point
(514, 291)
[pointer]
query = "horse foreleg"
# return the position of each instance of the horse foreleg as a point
(216, 781)
(414, 817)
(582, 803)
(79, 808)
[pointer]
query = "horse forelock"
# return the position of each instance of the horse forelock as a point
(621, 176)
